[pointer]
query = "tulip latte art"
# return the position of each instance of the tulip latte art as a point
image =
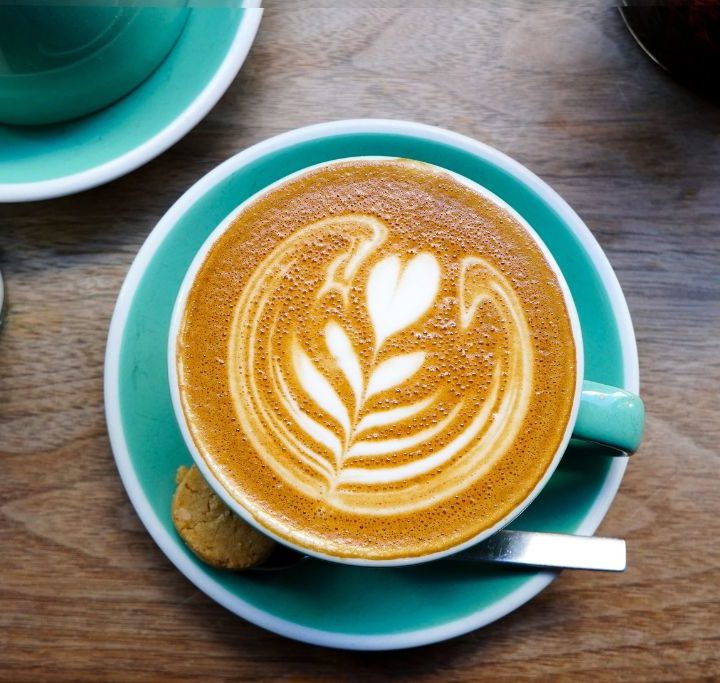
(376, 360)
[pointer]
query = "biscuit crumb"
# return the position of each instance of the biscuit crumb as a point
(210, 529)
(181, 472)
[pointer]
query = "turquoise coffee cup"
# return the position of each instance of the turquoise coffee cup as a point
(61, 62)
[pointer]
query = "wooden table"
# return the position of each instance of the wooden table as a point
(86, 595)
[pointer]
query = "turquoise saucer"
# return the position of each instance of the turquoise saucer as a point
(40, 162)
(324, 603)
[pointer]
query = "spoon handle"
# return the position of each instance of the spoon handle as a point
(538, 549)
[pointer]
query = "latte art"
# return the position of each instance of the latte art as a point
(323, 395)
(376, 361)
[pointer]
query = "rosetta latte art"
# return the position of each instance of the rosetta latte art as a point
(341, 385)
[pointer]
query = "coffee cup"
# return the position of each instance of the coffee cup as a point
(523, 330)
(62, 62)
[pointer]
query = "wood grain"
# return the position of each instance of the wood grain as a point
(85, 594)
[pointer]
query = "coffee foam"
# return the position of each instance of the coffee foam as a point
(366, 361)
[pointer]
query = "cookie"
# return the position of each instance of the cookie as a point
(210, 529)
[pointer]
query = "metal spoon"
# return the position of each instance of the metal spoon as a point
(523, 548)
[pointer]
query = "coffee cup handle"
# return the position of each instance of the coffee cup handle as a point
(610, 417)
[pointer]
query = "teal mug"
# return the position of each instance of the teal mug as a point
(61, 62)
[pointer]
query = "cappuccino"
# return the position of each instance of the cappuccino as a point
(376, 360)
